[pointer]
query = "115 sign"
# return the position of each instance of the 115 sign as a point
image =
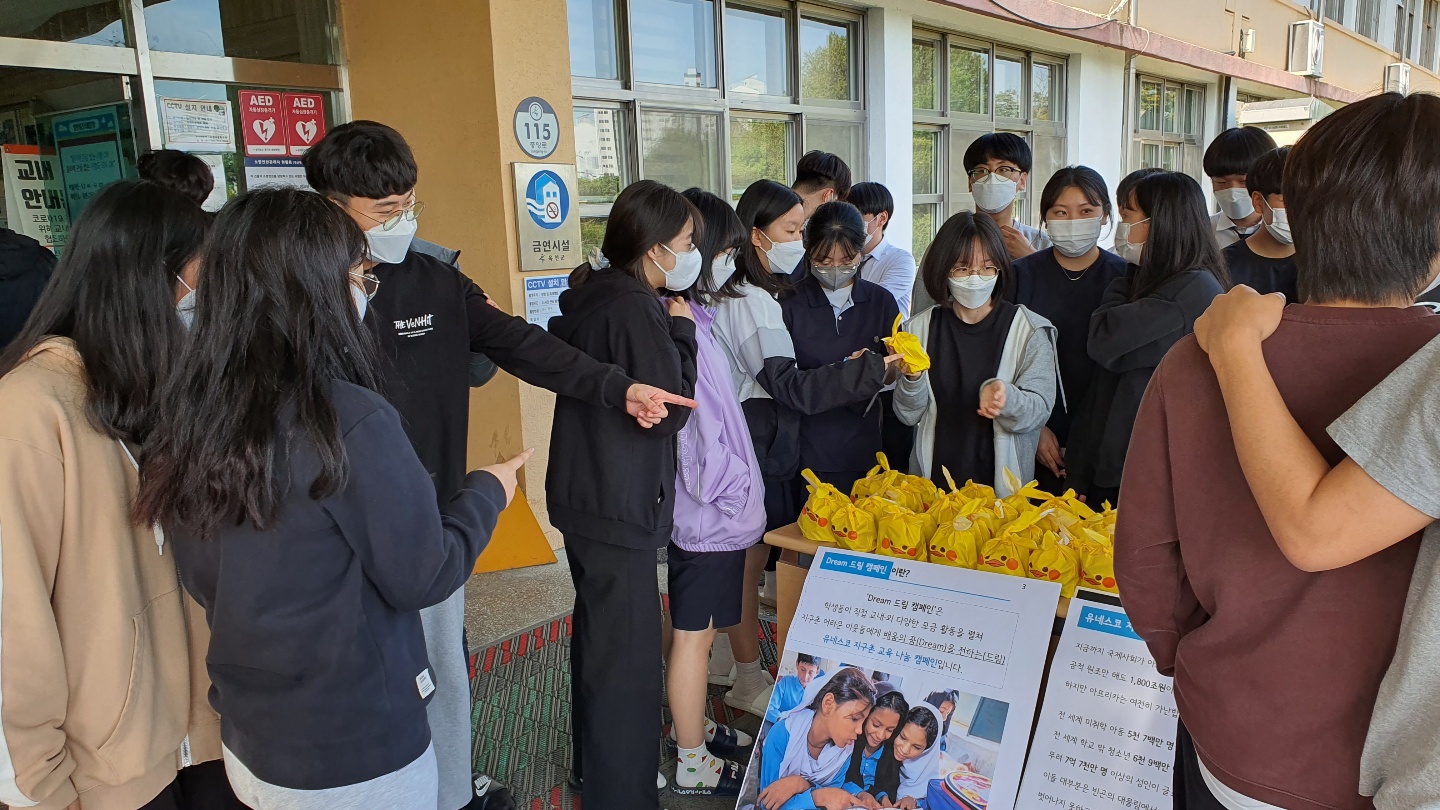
(537, 129)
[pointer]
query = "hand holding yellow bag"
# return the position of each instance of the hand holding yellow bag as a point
(819, 509)
(913, 358)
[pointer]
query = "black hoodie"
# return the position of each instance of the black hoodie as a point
(25, 267)
(611, 480)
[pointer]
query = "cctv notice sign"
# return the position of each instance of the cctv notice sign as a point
(547, 216)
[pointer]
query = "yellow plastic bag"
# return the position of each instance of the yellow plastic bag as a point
(819, 509)
(1056, 561)
(854, 528)
(1005, 554)
(1022, 494)
(880, 478)
(957, 542)
(913, 358)
(905, 534)
(948, 504)
(1097, 569)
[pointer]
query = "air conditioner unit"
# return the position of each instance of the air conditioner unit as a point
(1247, 41)
(1397, 78)
(1307, 48)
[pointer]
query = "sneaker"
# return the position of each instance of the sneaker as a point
(731, 777)
(767, 589)
(722, 661)
(753, 698)
(490, 795)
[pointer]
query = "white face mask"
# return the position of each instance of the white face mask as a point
(721, 269)
(784, 256)
(971, 292)
(1235, 202)
(687, 269)
(1279, 225)
(994, 193)
(873, 230)
(1124, 248)
(362, 301)
(1074, 237)
(185, 307)
(390, 247)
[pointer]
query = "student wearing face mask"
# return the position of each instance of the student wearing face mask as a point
(430, 320)
(1142, 314)
(308, 529)
(991, 385)
(1228, 161)
(886, 264)
(614, 497)
(998, 166)
(832, 315)
(1265, 261)
(1124, 193)
(774, 392)
(1064, 285)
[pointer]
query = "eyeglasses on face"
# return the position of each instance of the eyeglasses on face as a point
(409, 213)
(984, 271)
(1008, 172)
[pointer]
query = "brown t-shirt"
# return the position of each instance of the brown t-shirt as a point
(1276, 670)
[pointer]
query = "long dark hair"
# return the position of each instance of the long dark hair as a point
(645, 214)
(895, 702)
(113, 295)
(1181, 239)
(275, 327)
(847, 685)
(937, 699)
(955, 242)
(887, 772)
(722, 232)
(835, 223)
(762, 203)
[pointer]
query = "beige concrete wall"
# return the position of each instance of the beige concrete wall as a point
(449, 76)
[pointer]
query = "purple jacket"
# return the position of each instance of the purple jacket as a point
(719, 495)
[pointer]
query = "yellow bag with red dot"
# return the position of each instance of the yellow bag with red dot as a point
(1056, 561)
(905, 534)
(854, 528)
(957, 542)
(819, 509)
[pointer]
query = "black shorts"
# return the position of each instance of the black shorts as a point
(705, 588)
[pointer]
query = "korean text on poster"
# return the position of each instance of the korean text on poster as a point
(89, 145)
(304, 121)
(35, 202)
(961, 653)
(1106, 734)
(283, 172)
(198, 125)
(542, 298)
(547, 218)
(262, 123)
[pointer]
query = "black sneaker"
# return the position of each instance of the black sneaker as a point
(490, 795)
(731, 777)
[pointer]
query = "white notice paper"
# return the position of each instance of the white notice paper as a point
(1106, 735)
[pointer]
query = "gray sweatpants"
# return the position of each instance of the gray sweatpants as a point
(449, 709)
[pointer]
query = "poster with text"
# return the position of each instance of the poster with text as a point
(916, 684)
(304, 121)
(89, 145)
(262, 123)
(198, 125)
(284, 172)
(35, 195)
(1106, 734)
(542, 298)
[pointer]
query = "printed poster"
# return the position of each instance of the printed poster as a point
(35, 195)
(262, 123)
(542, 298)
(89, 146)
(283, 171)
(1106, 735)
(304, 121)
(953, 659)
(197, 125)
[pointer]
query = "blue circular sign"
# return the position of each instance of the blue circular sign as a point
(547, 200)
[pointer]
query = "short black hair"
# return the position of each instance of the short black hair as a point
(179, 171)
(1130, 181)
(1235, 151)
(820, 170)
(834, 223)
(1363, 191)
(873, 199)
(1089, 181)
(956, 241)
(1268, 172)
(805, 658)
(361, 159)
(999, 146)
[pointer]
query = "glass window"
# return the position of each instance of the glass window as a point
(969, 80)
(842, 138)
(284, 30)
(1049, 151)
(925, 76)
(1194, 112)
(926, 161)
(957, 182)
(1150, 107)
(97, 22)
(593, 49)
(826, 67)
(1009, 88)
(681, 149)
(600, 154)
(674, 41)
(592, 236)
(1150, 156)
(1172, 109)
(759, 150)
(756, 57)
(1171, 161)
(926, 220)
(1044, 97)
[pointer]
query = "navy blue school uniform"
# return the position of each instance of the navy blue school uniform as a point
(839, 444)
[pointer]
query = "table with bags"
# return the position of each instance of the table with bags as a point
(1023, 533)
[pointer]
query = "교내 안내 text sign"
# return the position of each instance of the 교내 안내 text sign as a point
(547, 216)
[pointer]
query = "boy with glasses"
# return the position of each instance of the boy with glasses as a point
(998, 165)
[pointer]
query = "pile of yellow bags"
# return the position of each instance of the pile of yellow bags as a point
(1031, 533)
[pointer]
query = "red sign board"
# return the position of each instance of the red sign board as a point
(262, 123)
(304, 121)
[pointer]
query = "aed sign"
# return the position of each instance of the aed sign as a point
(537, 128)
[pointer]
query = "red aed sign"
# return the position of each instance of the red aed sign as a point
(304, 121)
(262, 123)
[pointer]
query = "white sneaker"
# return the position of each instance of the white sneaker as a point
(767, 589)
(752, 697)
(722, 662)
(660, 781)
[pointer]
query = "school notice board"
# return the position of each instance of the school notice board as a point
(965, 651)
(1106, 734)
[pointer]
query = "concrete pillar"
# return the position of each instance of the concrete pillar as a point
(890, 100)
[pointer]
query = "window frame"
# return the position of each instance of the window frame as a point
(1189, 135)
